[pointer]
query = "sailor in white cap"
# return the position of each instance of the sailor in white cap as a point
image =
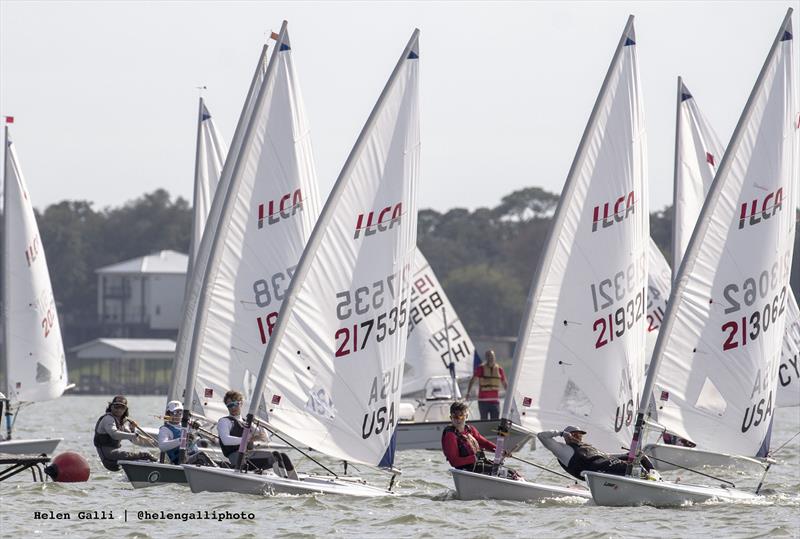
(576, 456)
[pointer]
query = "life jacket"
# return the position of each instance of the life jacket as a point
(586, 458)
(173, 454)
(464, 448)
(102, 439)
(490, 381)
(237, 429)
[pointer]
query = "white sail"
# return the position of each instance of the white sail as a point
(698, 152)
(428, 339)
(716, 360)
(201, 256)
(271, 208)
(333, 370)
(789, 368)
(36, 369)
(659, 285)
(209, 161)
(581, 349)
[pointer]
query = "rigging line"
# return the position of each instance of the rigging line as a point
(785, 443)
(290, 444)
(543, 468)
(687, 469)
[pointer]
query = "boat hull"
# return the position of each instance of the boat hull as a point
(695, 458)
(30, 447)
(428, 434)
(206, 479)
(618, 491)
(143, 474)
(475, 486)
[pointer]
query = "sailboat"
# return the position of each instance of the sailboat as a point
(36, 369)
(332, 370)
(697, 154)
(209, 178)
(715, 366)
(436, 340)
(581, 348)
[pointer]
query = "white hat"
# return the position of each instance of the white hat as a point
(174, 406)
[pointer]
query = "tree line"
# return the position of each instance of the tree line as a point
(484, 258)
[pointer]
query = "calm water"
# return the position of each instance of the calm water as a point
(425, 507)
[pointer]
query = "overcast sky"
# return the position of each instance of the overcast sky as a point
(105, 102)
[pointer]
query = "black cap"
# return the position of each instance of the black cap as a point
(119, 399)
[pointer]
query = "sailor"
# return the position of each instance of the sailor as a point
(169, 437)
(230, 429)
(113, 427)
(576, 456)
(490, 377)
(463, 445)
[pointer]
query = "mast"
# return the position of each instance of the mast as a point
(6, 285)
(687, 263)
(675, 247)
(173, 384)
(450, 365)
(327, 213)
(196, 193)
(227, 208)
(558, 219)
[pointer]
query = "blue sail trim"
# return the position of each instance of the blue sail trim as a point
(388, 458)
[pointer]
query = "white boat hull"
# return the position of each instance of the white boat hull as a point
(428, 434)
(29, 447)
(696, 458)
(618, 491)
(205, 479)
(475, 486)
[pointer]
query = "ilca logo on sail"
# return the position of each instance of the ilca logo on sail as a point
(622, 208)
(385, 220)
(285, 208)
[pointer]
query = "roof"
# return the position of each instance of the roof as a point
(105, 348)
(160, 262)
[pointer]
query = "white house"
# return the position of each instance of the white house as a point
(142, 297)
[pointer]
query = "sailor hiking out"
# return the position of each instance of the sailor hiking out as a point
(576, 456)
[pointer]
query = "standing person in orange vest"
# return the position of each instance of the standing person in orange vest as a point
(490, 377)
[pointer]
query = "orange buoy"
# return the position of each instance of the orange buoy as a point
(68, 467)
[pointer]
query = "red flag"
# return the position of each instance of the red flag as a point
(9, 119)
(208, 393)
(276, 399)
(665, 395)
(274, 36)
(527, 401)
(710, 159)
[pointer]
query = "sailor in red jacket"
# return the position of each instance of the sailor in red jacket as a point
(463, 445)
